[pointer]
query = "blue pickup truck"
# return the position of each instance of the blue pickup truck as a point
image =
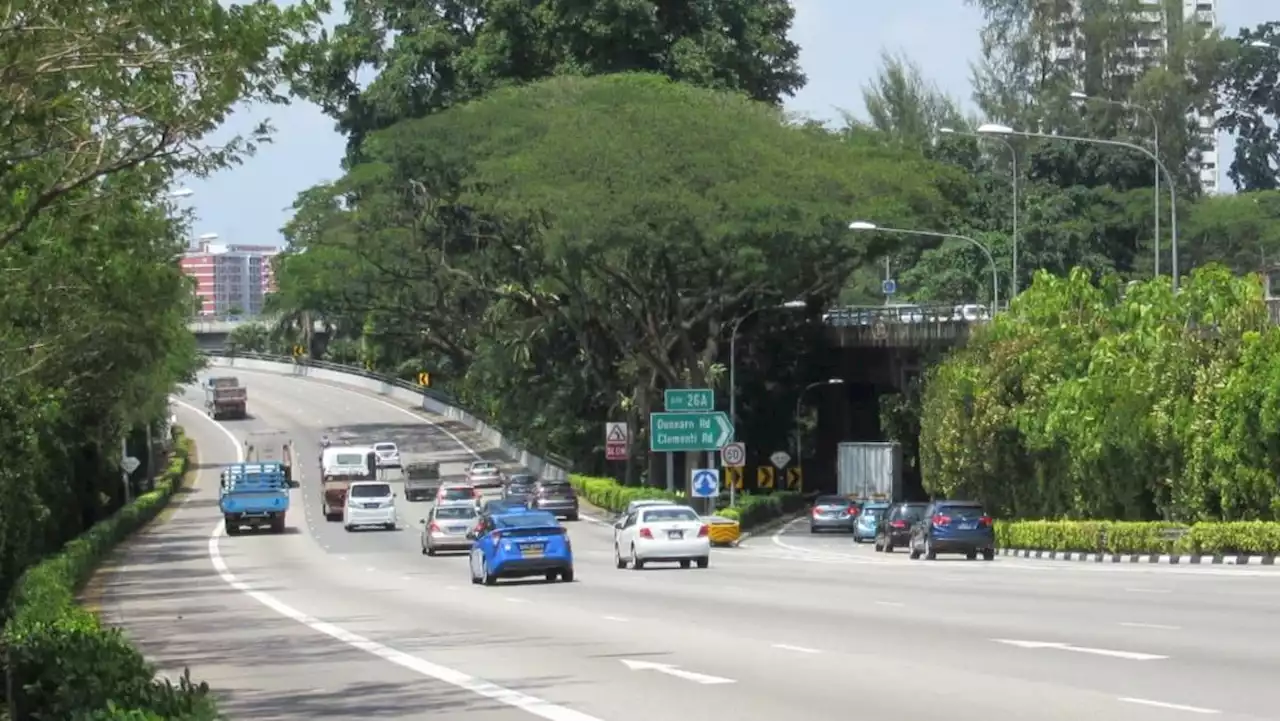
(255, 495)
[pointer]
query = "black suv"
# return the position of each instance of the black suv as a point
(556, 497)
(894, 529)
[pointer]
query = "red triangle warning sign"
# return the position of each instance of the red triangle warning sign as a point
(616, 433)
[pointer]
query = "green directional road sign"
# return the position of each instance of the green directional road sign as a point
(689, 399)
(677, 432)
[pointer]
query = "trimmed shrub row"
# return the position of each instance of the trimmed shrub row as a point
(1255, 538)
(751, 511)
(63, 663)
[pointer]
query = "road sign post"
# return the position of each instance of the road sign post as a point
(689, 400)
(733, 455)
(617, 441)
(689, 432)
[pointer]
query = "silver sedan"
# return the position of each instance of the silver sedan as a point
(446, 527)
(833, 513)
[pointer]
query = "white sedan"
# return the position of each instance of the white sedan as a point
(388, 454)
(662, 534)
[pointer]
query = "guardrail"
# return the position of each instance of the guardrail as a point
(907, 314)
(545, 465)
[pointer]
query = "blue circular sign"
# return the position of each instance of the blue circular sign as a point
(889, 286)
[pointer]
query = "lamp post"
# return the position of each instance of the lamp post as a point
(1013, 153)
(1155, 132)
(733, 369)
(181, 193)
(799, 401)
(862, 225)
(993, 129)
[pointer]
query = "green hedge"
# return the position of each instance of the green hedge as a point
(65, 664)
(751, 511)
(1256, 538)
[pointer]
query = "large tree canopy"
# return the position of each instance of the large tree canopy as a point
(433, 55)
(589, 239)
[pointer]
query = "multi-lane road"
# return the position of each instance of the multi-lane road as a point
(321, 623)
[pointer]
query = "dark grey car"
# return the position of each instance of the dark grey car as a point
(556, 497)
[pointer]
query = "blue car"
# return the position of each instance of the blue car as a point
(864, 528)
(520, 545)
(954, 527)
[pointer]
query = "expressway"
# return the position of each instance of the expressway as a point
(321, 623)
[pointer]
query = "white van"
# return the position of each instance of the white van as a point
(369, 503)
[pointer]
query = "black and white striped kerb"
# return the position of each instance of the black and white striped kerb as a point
(1232, 560)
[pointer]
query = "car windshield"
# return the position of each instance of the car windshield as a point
(965, 512)
(911, 513)
(373, 490)
(525, 520)
(557, 488)
(641, 504)
(833, 501)
(384, 446)
(456, 513)
(520, 479)
(484, 466)
(872, 512)
(495, 506)
(669, 514)
(348, 459)
(457, 494)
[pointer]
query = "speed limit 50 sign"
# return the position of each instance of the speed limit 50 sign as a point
(734, 454)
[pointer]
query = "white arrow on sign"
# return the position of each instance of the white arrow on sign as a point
(726, 430)
(1128, 655)
(130, 464)
(672, 670)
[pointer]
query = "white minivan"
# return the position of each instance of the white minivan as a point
(369, 503)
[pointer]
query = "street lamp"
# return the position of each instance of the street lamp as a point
(993, 129)
(181, 193)
(863, 225)
(1263, 44)
(799, 400)
(208, 236)
(733, 368)
(1013, 152)
(1155, 130)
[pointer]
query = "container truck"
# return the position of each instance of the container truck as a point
(869, 471)
(270, 447)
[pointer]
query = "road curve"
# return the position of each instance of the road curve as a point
(324, 623)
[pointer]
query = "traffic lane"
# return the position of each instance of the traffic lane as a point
(171, 602)
(795, 538)
(522, 634)
(308, 411)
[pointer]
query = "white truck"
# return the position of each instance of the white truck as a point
(268, 447)
(869, 471)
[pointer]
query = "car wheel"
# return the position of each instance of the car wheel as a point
(929, 553)
(988, 554)
(232, 528)
(971, 556)
(429, 550)
(704, 562)
(572, 517)
(915, 552)
(812, 529)
(551, 576)
(685, 563)
(485, 578)
(618, 560)
(348, 528)
(567, 575)
(474, 578)
(389, 526)
(636, 563)
(888, 546)
(879, 546)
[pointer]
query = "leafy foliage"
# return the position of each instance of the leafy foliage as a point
(1095, 401)
(66, 664)
(563, 251)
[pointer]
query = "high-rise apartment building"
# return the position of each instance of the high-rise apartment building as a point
(230, 278)
(1151, 38)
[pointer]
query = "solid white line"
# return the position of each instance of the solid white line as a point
(1157, 626)
(893, 604)
(1148, 590)
(619, 619)
(509, 697)
(516, 600)
(1171, 706)
(798, 649)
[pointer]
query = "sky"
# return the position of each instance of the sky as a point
(840, 40)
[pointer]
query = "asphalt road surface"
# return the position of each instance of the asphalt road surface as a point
(323, 623)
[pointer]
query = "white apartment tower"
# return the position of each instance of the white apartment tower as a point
(1153, 36)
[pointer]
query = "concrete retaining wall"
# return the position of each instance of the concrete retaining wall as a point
(491, 436)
